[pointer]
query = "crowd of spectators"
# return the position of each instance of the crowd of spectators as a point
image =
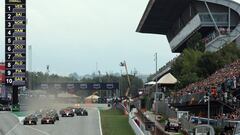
(224, 81)
(214, 34)
(221, 85)
(210, 37)
(235, 115)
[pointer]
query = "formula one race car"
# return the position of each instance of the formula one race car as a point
(81, 112)
(48, 119)
(67, 112)
(5, 108)
(30, 120)
(53, 114)
(39, 114)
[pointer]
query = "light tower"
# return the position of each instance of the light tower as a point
(29, 67)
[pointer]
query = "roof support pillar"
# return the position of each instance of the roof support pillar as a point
(229, 19)
(210, 13)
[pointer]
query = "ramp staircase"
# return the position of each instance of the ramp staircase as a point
(222, 40)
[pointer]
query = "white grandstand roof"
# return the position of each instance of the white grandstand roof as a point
(167, 79)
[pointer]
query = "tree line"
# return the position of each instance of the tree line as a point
(195, 64)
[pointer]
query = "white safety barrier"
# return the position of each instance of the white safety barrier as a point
(134, 125)
(100, 124)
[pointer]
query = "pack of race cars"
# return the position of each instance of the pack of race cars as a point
(50, 116)
(70, 112)
(5, 107)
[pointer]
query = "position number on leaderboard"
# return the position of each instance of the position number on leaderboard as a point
(15, 42)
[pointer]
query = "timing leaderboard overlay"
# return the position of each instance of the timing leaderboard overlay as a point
(15, 42)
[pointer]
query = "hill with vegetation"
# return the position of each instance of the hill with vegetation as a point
(195, 64)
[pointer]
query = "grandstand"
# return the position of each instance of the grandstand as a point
(218, 21)
(223, 86)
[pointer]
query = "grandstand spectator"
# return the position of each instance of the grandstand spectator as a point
(226, 81)
(214, 34)
(234, 99)
(225, 96)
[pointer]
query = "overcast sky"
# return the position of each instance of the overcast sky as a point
(74, 35)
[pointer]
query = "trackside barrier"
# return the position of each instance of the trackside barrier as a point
(134, 125)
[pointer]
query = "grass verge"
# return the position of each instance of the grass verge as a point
(20, 114)
(115, 123)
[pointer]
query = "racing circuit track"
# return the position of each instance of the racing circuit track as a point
(78, 125)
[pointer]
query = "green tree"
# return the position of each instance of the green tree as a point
(193, 65)
(74, 77)
(207, 65)
(195, 42)
(185, 67)
(189, 60)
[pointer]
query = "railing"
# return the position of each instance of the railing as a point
(134, 125)
(220, 18)
(223, 40)
(188, 99)
(225, 104)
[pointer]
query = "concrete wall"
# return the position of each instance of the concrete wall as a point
(185, 25)
(186, 32)
(163, 108)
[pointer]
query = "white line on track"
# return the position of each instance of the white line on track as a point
(40, 131)
(100, 125)
(12, 129)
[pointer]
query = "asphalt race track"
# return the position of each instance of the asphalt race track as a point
(77, 125)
